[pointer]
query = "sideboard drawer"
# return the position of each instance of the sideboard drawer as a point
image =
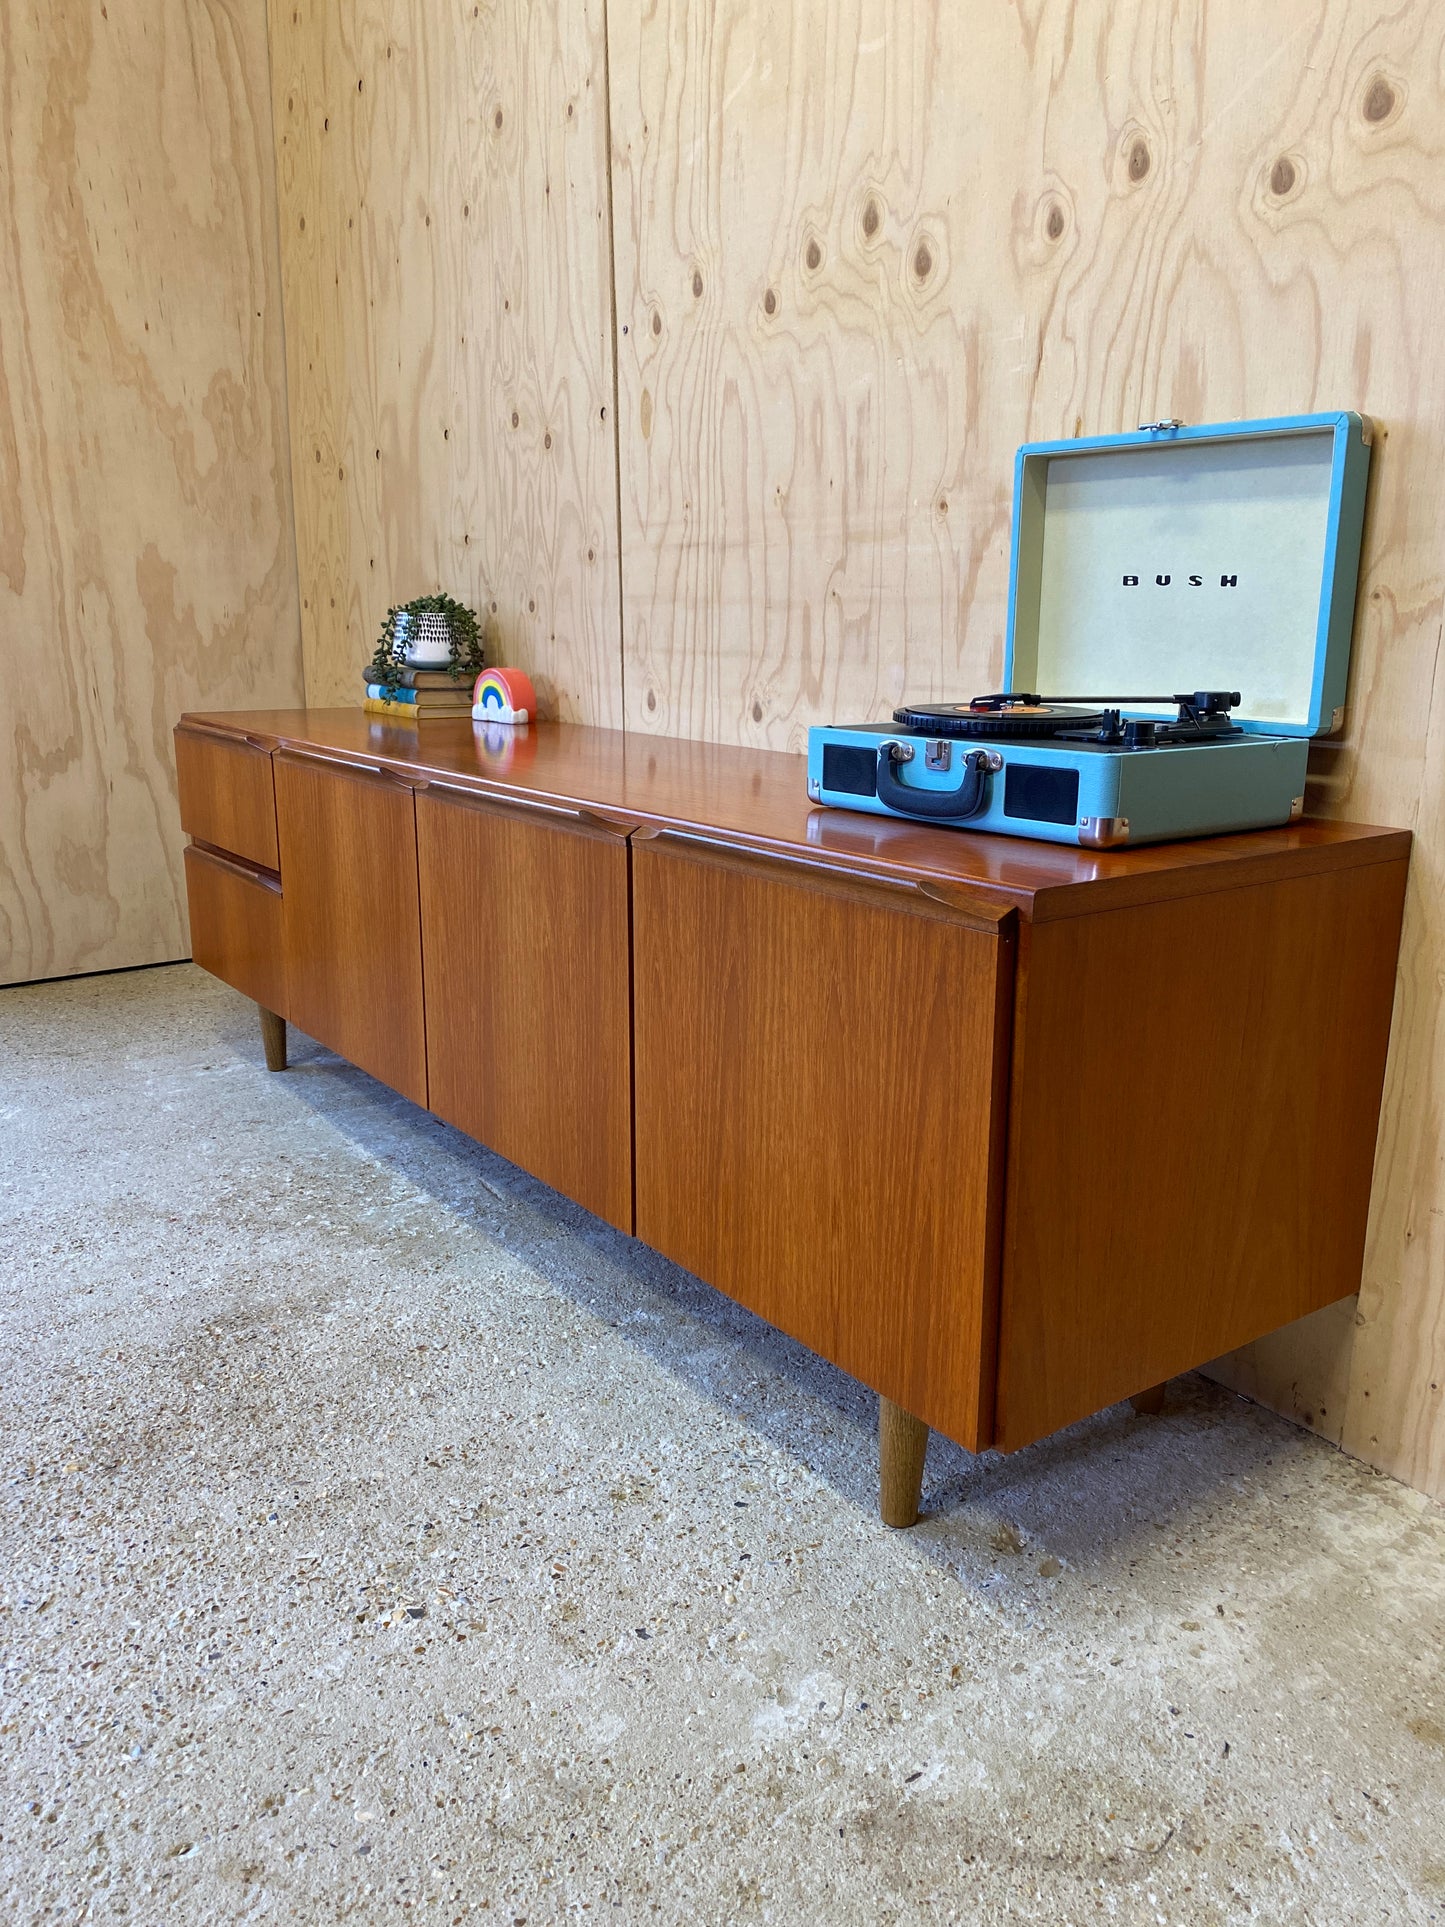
(227, 794)
(819, 1071)
(236, 926)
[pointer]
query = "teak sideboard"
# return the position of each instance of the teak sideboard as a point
(1009, 1131)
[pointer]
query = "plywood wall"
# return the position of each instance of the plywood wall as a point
(146, 552)
(864, 250)
(444, 223)
(857, 253)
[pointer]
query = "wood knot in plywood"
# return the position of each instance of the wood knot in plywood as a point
(1140, 159)
(1054, 221)
(872, 218)
(923, 258)
(770, 302)
(697, 284)
(813, 254)
(1380, 99)
(1281, 176)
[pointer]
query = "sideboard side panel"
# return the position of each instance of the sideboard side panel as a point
(1195, 1095)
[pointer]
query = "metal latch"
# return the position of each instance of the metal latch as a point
(938, 755)
(1164, 427)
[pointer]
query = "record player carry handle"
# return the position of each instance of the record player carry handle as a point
(948, 806)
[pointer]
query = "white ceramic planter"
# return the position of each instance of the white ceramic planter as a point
(426, 639)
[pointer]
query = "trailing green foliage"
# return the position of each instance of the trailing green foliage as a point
(466, 640)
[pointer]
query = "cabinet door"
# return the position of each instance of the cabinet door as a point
(351, 915)
(525, 937)
(820, 1069)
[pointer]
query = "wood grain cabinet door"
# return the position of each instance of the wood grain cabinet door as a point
(820, 1066)
(351, 915)
(525, 936)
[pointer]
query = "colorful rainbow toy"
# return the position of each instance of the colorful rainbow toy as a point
(504, 696)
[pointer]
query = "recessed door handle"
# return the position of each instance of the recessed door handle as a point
(526, 805)
(352, 765)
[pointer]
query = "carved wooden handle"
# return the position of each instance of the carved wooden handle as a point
(237, 738)
(527, 805)
(352, 765)
(223, 860)
(977, 912)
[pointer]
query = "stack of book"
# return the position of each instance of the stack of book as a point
(409, 695)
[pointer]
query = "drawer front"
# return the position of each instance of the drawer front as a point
(227, 795)
(236, 926)
(819, 1072)
(526, 967)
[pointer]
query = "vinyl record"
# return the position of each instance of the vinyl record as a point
(995, 717)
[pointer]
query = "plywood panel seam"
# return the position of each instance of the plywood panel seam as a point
(288, 467)
(616, 410)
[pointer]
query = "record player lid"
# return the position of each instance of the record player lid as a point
(1220, 557)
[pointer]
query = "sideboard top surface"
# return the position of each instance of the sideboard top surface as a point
(759, 798)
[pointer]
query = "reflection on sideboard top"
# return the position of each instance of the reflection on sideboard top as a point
(759, 797)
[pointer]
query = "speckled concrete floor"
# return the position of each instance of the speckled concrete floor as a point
(381, 1534)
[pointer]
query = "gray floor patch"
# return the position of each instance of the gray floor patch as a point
(383, 1536)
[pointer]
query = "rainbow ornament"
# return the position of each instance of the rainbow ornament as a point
(504, 696)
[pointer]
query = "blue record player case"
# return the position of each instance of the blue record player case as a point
(1176, 559)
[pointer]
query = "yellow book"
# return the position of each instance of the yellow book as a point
(399, 712)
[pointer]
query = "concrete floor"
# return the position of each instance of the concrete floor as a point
(383, 1534)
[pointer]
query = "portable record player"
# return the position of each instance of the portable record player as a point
(1217, 562)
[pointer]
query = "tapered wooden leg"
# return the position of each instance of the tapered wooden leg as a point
(902, 1443)
(273, 1036)
(1149, 1404)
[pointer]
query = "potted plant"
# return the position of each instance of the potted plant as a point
(430, 632)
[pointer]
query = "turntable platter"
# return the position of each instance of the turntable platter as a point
(995, 717)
